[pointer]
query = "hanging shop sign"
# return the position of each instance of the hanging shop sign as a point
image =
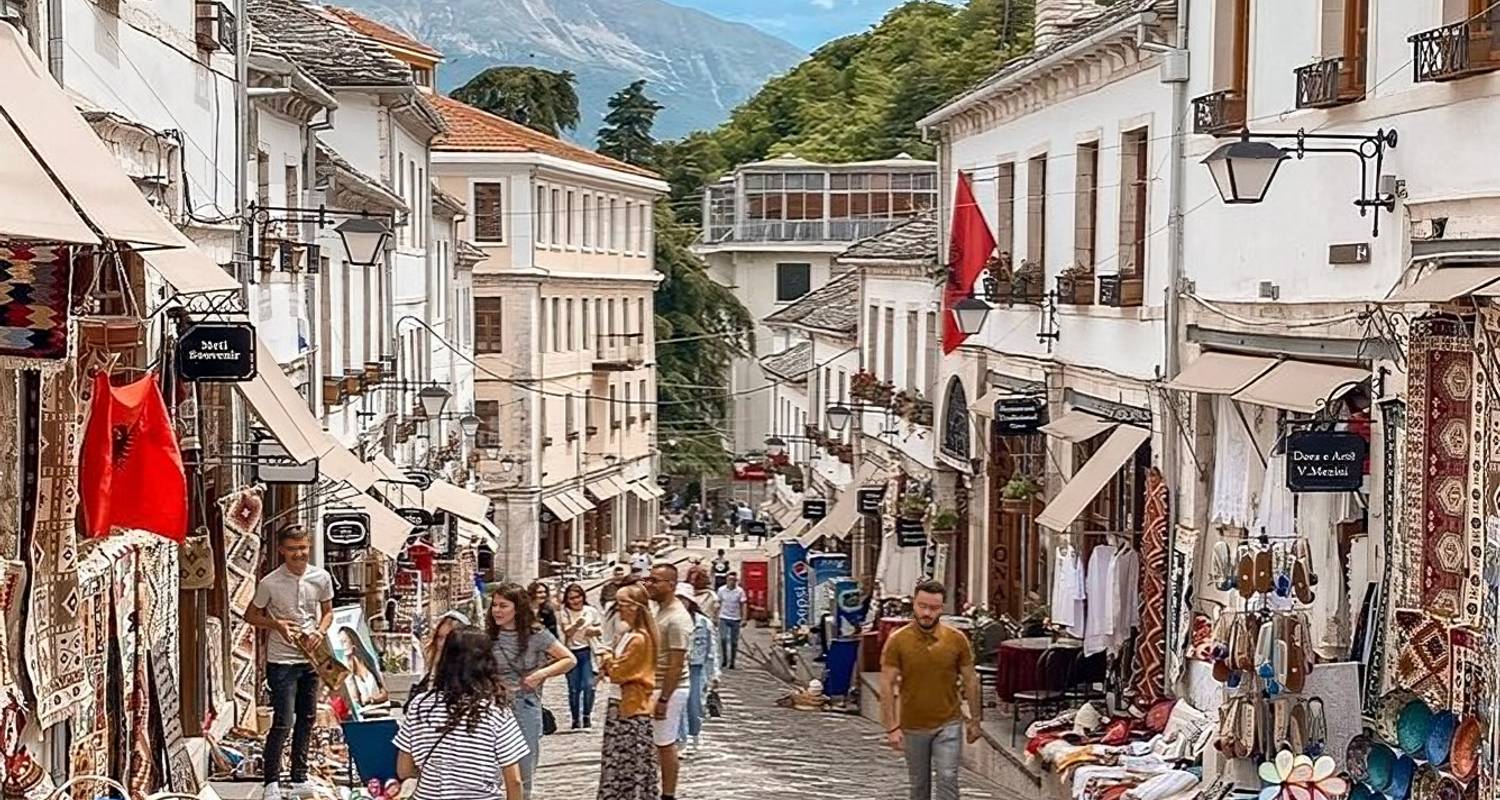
(273, 465)
(814, 509)
(418, 517)
(419, 479)
(910, 532)
(217, 351)
(1325, 461)
(349, 529)
(870, 498)
(755, 527)
(1019, 415)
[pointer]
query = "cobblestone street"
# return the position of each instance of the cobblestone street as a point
(754, 749)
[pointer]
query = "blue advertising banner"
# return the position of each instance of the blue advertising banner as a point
(796, 590)
(848, 608)
(827, 566)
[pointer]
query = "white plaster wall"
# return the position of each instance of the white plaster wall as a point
(356, 133)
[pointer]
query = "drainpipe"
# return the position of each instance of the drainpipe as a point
(242, 148)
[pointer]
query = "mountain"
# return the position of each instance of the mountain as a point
(697, 65)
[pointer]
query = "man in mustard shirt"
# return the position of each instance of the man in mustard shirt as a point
(923, 667)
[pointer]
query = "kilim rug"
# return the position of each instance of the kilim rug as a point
(1150, 651)
(35, 295)
(90, 751)
(12, 602)
(10, 478)
(1179, 616)
(1436, 505)
(1424, 656)
(55, 654)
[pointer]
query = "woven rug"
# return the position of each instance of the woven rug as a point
(90, 751)
(1424, 656)
(1435, 505)
(35, 294)
(55, 655)
(1150, 652)
(10, 480)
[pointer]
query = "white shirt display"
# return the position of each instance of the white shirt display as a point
(1069, 605)
(1099, 591)
(1124, 597)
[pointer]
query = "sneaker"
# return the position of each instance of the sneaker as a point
(273, 792)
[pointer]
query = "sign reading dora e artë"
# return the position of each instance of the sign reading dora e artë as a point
(217, 351)
(1325, 461)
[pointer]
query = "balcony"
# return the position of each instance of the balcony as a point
(810, 230)
(1328, 83)
(1454, 51)
(622, 353)
(1219, 113)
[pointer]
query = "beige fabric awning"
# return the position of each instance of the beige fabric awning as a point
(388, 530)
(1221, 373)
(649, 486)
(1084, 486)
(31, 205)
(1299, 385)
(845, 511)
(607, 487)
(796, 529)
(562, 506)
(395, 486)
(985, 405)
(458, 501)
(478, 533)
(46, 119)
(273, 398)
(338, 464)
(1077, 426)
(189, 269)
(640, 491)
(1444, 284)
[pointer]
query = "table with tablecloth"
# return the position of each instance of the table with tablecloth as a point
(1016, 661)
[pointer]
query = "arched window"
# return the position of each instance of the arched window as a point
(955, 441)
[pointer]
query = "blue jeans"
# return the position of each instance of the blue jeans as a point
(581, 685)
(933, 752)
(729, 642)
(692, 721)
(294, 704)
(527, 707)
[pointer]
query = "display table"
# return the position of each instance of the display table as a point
(1015, 664)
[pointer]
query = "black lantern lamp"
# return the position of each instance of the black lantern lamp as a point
(364, 239)
(838, 416)
(970, 314)
(1243, 170)
(433, 399)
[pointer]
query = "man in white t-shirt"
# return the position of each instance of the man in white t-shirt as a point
(731, 616)
(674, 631)
(295, 603)
(640, 564)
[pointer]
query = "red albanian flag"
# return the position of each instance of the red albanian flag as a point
(132, 470)
(970, 245)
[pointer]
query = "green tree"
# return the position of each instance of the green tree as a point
(626, 134)
(537, 98)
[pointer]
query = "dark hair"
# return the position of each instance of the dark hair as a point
(468, 680)
(534, 585)
(526, 622)
(358, 651)
(666, 566)
(292, 531)
(575, 587)
(931, 587)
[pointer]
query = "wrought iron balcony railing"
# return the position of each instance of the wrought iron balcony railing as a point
(1219, 113)
(1328, 83)
(1454, 51)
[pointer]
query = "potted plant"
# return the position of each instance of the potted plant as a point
(944, 520)
(862, 385)
(913, 505)
(1028, 282)
(1019, 493)
(1075, 286)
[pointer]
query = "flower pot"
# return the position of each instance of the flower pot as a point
(120, 335)
(1019, 506)
(1075, 290)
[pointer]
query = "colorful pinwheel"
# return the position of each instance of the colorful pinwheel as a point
(1297, 777)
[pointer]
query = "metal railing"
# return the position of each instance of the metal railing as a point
(812, 230)
(1220, 112)
(1448, 52)
(1318, 84)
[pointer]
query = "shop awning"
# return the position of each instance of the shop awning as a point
(395, 486)
(788, 516)
(46, 120)
(1300, 385)
(341, 465)
(31, 205)
(1077, 426)
(388, 530)
(188, 269)
(1221, 373)
(607, 487)
(646, 490)
(457, 501)
(562, 506)
(845, 511)
(1084, 486)
(1444, 284)
(283, 410)
(985, 405)
(479, 533)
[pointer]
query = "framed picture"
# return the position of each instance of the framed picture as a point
(349, 639)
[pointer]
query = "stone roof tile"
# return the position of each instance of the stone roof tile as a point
(913, 240)
(791, 364)
(831, 307)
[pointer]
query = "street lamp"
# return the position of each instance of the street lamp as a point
(469, 424)
(775, 445)
(433, 398)
(364, 239)
(969, 314)
(1243, 170)
(838, 416)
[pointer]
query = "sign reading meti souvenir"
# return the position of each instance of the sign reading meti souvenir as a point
(217, 351)
(1325, 461)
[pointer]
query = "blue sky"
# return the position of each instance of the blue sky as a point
(805, 23)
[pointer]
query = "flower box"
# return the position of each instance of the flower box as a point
(1075, 290)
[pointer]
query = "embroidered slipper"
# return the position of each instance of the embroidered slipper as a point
(1223, 648)
(1229, 716)
(1297, 728)
(1282, 720)
(1245, 572)
(1263, 578)
(1302, 577)
(1265, 652)
(1296, 656)
(1243, 654)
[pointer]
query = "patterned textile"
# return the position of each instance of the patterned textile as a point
(10, 483)
(627, 761)
(1381, 647)
(1150, 655)
(1179, 615)
(55, 655)
(90, 752)
(12, 601)
(1424, 656)
(1436, 503)
(243, 510)
(35, 292)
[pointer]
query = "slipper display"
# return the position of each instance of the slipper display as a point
(1303, 578)
(1264, 582)
(1413, 726)
(1379, 766)
(1463, 756)
(1440, 737)
(1224, 567)
(1356, 757)
(1402, 773)
(1245, 572)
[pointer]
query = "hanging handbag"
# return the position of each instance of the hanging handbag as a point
(549, 722)
(195, 563)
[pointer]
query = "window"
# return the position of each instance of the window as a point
(583, 313)
(422, 76)
(646, 225)
(599, 232)
(1005, 215)
(872, 340)
(539, 214)
(1231, 47)
(569, 343)
(568, 221)
(557, 325)
(411, 202)
(598, 325)
(614, 409)
(1085, 203)
(541, 336)
(645, 405)
(934, 341)
(489, 329)
(368, 312)
(488, 412)
(1036, 210)
(911, 352)
(588, 228)
(793, 280)
(888, 340)
(880, 195)
(640, 228)
(640, 319)
(1134, 183)
(609, 335)
(629, 409)
(625, 244)
(489, 212)
(542, 401)
(588, 412)
(570, 423)
(614, 225)
(553, 223)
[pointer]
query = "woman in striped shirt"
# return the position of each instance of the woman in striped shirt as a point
(460, 740)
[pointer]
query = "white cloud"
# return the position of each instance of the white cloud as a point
(826, 5)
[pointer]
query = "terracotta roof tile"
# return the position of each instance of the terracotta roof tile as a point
(383, 33)
(474, 130)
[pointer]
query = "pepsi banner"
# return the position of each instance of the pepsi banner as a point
(827, 566)
(796, 591)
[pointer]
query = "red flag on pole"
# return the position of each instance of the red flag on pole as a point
(970, 245)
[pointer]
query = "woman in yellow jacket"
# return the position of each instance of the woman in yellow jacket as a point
(628, 767)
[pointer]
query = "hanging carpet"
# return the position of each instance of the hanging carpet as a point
(35, 298)
(1150, 651)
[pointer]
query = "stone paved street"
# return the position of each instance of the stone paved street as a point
(756, 750)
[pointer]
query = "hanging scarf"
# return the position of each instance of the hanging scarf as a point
(132, 470)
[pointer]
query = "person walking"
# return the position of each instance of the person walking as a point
(607, 591)
(703, 593)
(582, 626)
(731, 617)
(743, 515)
(528, 654)
(721, 568)
(543, 607)
(675, 626)
(295, 603)
(628, 755)
(703, 669)
(433, 653)
(460, 738)
(921, 670)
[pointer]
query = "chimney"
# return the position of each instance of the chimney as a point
(1054, 17)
